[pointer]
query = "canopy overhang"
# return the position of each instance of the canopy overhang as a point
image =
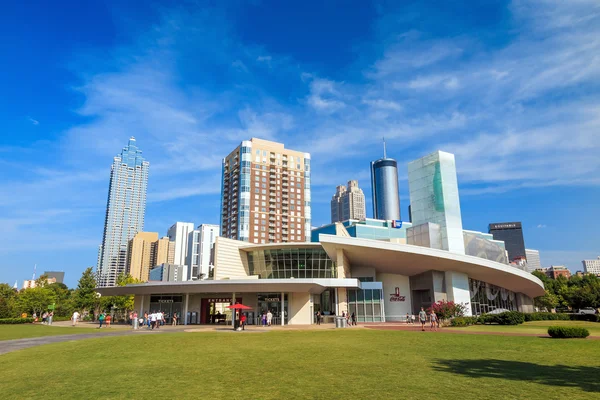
(315, 286)
(404, 259)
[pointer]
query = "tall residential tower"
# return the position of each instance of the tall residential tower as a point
(125, 211)
(265, 193)
(348, 203)
(384, 185)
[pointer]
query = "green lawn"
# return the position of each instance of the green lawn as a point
(23, 331)
(332, 364)
(535, 327)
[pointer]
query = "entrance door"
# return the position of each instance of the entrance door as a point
(214, 310)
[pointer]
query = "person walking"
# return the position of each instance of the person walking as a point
(269, 318)
(44, 317)
(101, 319)
(135, 321)
(353, 317)
(50, 316)
(153, 320)
(422, 318)
(174, 323)
(146, 320)
(243, 321)
(433, 318)
(412, 318)
(75, 318)
(407, 319)
(264, 319)
(318, 317)
(108, 318)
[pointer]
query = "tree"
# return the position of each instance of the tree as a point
(124, 303)
(64, 300)
(85, 297)
(35, 300)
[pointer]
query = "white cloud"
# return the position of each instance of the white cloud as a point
(541, 226)
(33, 121)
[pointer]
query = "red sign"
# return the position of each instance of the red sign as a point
(396, 296)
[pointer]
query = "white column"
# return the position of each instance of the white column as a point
(337, 308)
(282, 308)
(185, 310)
(233, 312)
(141, 314)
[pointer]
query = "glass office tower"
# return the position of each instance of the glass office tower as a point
(511, 233)
(384, 185)
(433, 187)
(125, 211)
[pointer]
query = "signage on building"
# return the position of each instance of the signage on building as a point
(396, 295)
(397, 224)
(271, 299)
(165, 301)
(220, 300)
(506, 226)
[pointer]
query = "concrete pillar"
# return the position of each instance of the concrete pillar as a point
(337, 307)
(282, 308)
(141, 314)
(185, 310)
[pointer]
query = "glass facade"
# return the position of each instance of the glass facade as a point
(486, 298)
(367, 304)
(125, 211)
(168, 304)
(291, 263)
(434, 197)
(384, 186)
(476, 244)
(511, 233)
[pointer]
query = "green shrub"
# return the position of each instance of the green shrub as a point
(585, 317)
(511, 318)
(7, 321)
(565, 332)
(58, 319)
(544, 316)
(463, 321)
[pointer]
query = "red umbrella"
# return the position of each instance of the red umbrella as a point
(239, 307)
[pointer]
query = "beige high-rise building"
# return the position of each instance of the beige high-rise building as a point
(266, 193)
(348, 203)
(145, 251)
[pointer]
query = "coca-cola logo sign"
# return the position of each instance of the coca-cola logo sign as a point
(396, 295)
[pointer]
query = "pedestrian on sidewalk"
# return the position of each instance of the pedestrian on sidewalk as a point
(353, 317)
(243, 321)
(75, 318)
(269, 318)
(101, 319)
(318, 317)
(174, 323)
(50, 316)
(433, 318)
(108, 318)
(44, 318)
(422, 318)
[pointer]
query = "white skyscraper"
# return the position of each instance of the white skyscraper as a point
(201, 243)
(126, 207)
(348, 203)
(591, 266)
(533, 260)
(179, 233)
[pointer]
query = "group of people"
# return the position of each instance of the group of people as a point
(350, 318)
(104, 319)
(46, 317)
(266, 318)
(157, 319)
(434, 321)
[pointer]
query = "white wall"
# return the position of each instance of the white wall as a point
(395, 310)
(299, 309)
(457, 290)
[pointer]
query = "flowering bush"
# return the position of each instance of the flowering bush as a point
(447, 309)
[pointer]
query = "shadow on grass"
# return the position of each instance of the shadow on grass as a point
(585, 378)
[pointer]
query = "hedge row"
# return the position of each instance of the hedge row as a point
(6, 321)
(517, 318)
(565, 332)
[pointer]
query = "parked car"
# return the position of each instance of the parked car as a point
(587, 310)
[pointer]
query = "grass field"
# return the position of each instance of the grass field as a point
(24, 331)
(535, 327)
(332, 364)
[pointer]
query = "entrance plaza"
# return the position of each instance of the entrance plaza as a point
(378, 281)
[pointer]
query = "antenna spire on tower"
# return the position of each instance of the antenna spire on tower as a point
(384, 151)
(34, 268)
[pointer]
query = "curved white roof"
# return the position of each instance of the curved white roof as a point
(411, 260)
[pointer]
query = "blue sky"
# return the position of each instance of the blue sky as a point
(512, 88)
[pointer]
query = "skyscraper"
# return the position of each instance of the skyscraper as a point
(348, 203)
(533, 259)
(433, 187)
(591, 266)
(125, 211)
(146, 251)
(384, 185)
(511, 233)
(265, 193)
(179, 234)
(201, 243)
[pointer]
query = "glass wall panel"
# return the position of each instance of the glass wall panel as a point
(288, 263)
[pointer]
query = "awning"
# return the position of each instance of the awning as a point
(315, 286)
